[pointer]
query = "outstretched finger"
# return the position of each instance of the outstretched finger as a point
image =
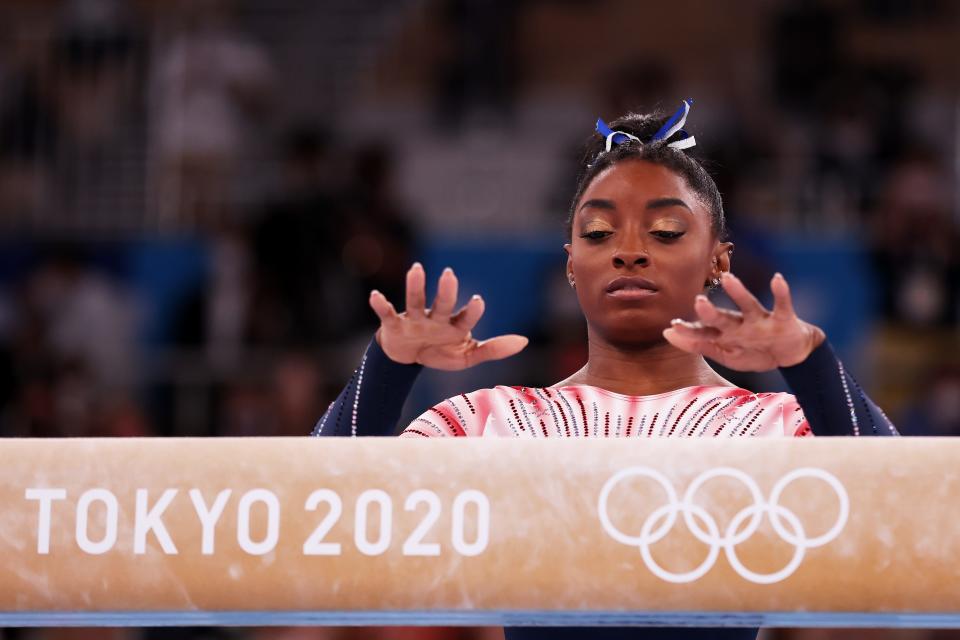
(739, 293)
(496, 349)
(695, 330)
(416, 296)
(713, 316)
(383, 308)
(468, 316)
(693, 344)
(782, 301)
(446, 295)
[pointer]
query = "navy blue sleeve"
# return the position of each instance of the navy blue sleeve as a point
(371, 403)
(832, 401)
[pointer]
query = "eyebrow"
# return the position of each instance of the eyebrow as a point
(656, 203)
(597, 203)
(663, 203)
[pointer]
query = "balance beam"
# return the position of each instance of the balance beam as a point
(818, 532)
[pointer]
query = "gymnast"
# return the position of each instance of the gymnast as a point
(646, 241)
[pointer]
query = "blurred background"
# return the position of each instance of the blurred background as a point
(196, 196)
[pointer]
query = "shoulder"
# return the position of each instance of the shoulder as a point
(473, 413)
(464, 414)
(494, 400)
(787, 401)
(483, 400)
(742, 412)
(792, 421)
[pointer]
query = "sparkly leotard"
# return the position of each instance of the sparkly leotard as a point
(582, 411)
(826, 401)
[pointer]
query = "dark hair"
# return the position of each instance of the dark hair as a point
(644, 126)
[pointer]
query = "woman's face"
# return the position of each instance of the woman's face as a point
(642, 249)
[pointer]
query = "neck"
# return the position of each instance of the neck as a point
(642, 369)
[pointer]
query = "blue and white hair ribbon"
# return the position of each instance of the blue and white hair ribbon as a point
(613, 137)
(671, 127)
(675, 125)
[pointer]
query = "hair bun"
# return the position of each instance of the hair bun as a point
(641, 125)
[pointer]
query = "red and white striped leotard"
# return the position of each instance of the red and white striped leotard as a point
(587, 411)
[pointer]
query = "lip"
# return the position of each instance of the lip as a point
(630, 288)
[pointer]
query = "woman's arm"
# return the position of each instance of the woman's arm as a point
(755, 339)
(371, 403)
(832, 401)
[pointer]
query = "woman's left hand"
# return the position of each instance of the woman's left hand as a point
(752, 339)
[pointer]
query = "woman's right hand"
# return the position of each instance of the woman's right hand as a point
(437, 337)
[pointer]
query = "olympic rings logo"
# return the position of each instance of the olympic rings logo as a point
(659, 523)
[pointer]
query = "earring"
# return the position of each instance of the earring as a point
(716, 282)
(570, 280)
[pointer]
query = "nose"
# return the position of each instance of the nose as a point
(626, 256)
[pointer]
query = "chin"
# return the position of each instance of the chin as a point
(638, 333)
